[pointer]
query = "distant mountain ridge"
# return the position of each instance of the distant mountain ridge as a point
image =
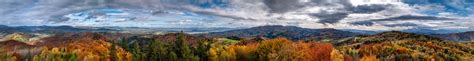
(398, 35)
(463, 36)
(138, 30)
(9, 29)
(298, 33)
(291, 32)
(387, 36)
(271, 31)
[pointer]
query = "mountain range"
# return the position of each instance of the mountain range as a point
(270, 31)
(11, 29)
(297, 33)
(390, 45)
(291, 32)
(464, 36)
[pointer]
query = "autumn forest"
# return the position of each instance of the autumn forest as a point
(186, 47)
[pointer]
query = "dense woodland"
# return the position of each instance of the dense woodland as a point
(184, 47)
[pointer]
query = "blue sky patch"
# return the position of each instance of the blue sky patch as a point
(458, 7)
(210, 3)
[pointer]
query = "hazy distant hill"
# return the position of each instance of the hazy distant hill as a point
(464, 36)
(445, 34)
(290, 32)
(387, 36)
(49, 29)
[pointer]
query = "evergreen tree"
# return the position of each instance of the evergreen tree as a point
(154, 52)
(124, 44)
(183, 50)
(137, 53)
(113, 52)
(202, 49)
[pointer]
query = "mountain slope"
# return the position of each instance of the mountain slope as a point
(70, 38)
(386, 37)
(12, 45)
(291, 32)
(464, 36)
(401, 46)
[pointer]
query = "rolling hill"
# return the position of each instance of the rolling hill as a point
(395, 45)
(463, 36)
(290, 32)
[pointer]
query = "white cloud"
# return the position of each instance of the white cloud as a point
(368, 2)
(239, 13)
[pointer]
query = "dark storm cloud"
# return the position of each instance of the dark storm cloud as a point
(330, 18)
(281, 6)
(412, 17)
(402, 18)
(365, 23)
(402, 25)
(23, 11)
(368, 8)
(227, 16)
(336, 17)
(53, 10)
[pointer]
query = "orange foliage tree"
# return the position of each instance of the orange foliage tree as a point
(274, 49)
(320, 52)
(98, 50)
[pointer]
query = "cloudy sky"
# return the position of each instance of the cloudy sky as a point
(376, 15)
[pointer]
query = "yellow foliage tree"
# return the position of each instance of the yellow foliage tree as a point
(223, 53)
(336, 55)
(269, 49)
(246, 52)
(55, 54)
(369, 58)
(84, 51)
(213, 54)
(98, 50)
(7, 56)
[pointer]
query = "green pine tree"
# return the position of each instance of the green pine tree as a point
(137, 54)
(183, 50)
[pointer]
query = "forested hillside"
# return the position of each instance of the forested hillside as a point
(184, 47)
